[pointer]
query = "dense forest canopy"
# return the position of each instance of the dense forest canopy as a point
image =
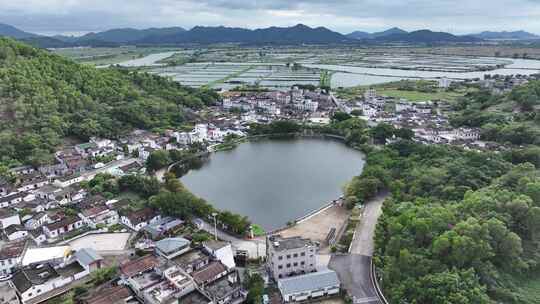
(45, 98)
(460, 227)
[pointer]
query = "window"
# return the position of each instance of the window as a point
(280, 267)
(289, 265)
(295, 255)
(302, 263)
(280, 257)
(303, 254)
(295, 264)
(288, 256)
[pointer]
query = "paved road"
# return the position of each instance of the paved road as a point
(255, 248)
(354, 274)
(354, 269)
(363, 241)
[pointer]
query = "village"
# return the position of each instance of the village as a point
(57, 232)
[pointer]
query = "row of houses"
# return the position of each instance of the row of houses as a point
(176, 271)
(45, 271)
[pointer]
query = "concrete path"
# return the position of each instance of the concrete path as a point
(363, 241)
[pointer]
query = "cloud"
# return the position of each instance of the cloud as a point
(459, 16)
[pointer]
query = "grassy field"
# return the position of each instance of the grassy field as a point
(420, 96)
(413, 95)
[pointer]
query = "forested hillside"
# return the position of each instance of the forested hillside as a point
(45, 98)
(461, 227)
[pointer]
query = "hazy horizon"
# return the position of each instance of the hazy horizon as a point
(77, 17)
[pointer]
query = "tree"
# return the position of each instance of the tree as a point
(381, 132)
(158, 160)
(457, 287)
(351, 202)
(340, 116)
(404, 133)
(103, 275)
(172, 183)
(255, 287)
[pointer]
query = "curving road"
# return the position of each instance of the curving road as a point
(354, 269)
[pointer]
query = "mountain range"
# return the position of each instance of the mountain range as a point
(13, 32)
(504, 35)
(298, 34)
(360, 35)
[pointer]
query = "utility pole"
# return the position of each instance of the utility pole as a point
(215, 225)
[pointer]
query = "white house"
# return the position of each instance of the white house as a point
(140, 218)
(221, 251)
(67, 181)
(8, 218)
(99, 215)
(62, 226)
(444, 82)
(15, 232)
(36, 280)
(12, 198)
(37, 221)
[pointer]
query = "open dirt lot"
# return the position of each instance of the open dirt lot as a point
(105, 242)
(318, 226)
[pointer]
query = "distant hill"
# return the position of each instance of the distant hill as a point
(392, 31)
(426, 36)
(46, 42)
(299, 34)
(126, 35)
(360, 35)
(13, 32)
(504, 35)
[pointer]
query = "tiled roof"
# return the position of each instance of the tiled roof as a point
(140, 216)
(110, 295)
(27, 277)
(12, 250)
(141, 264)
(209, 272)
(63, 222)
(94, 210)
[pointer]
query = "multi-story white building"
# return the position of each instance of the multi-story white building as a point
(290, 256)
(444, 83)
(370, 95)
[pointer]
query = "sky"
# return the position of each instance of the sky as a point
(456, 16)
